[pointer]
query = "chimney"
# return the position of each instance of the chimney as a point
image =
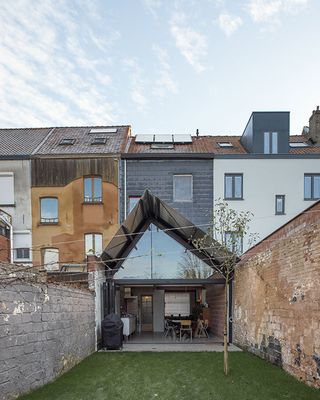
(314, 126)
(197, 132)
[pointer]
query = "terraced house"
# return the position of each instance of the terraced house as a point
(75, 194)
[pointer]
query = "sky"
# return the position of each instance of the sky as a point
(163, 66)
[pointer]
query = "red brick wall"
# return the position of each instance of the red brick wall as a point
(277, 298)
(4, 249)
(216, 300)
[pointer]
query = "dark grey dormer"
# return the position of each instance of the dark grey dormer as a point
(267, 132)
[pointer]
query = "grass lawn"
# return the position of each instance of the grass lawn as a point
(142, 376)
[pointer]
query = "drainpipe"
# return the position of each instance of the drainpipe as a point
(11, 244)
(125, 189)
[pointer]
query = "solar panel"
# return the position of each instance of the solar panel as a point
(103, 130)
(147, 138)
(163, 138)
(182, 138)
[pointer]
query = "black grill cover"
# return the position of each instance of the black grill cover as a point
(112, 332)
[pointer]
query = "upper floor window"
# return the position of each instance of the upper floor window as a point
(93, 189)
(182, 188)
(7, 188)
(280, 203)
(270, 143)
(93, 243)
(49, 210)
(312, 186)
(234, 242)
(233, 186)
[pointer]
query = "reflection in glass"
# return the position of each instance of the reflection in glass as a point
(49, 210)
(158, 256)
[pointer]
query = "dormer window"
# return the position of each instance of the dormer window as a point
(270, 144)
(67, 142)
(225, 144)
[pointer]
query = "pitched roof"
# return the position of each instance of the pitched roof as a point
(150, 209)
(210, 145)
(21, 141)
(83, 140)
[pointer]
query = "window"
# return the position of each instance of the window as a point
(67, 142)
(22, 254)
(182, 187)
(99, 140)
(233, 186)
(103, 130)
(312, 186)
(234, 242)
(270, 143)
(48, 210)
(50, 259)
(225, 144)
(298, 144)
(133, 200)
(7, 188)
(93, 189)
(177, 304)
(167, 146)
(280, 203)
(93, 243)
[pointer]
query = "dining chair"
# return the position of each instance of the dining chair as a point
(168, 328)
(185, 326)
(202, 328)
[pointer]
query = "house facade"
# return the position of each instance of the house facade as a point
(17, 146)
(75, 194)
(6, 251)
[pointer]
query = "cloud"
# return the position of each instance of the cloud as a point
(164, 83)
(266, 10)
(191, 44)
(137, 83)
(229, 23)
(152, 6)
(54, 71)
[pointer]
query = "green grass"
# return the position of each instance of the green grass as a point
(142, 376)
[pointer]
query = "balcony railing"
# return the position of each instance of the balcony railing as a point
(89, 199)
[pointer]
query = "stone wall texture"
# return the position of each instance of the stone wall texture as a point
(45, 329)
(277, 298)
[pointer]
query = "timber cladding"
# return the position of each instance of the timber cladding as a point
(61, 171)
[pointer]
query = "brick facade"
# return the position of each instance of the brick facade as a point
(277, 298)
(4, 249)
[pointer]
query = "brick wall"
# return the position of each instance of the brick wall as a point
(45, 329)
(157, 175)
(4, 249)
(216, 300)
(277, 298)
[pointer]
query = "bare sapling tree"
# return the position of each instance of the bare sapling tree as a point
(228, 228)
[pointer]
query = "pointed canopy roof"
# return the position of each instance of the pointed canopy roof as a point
(150, 209)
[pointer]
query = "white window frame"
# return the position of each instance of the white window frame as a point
(270, 143)
(175, 199)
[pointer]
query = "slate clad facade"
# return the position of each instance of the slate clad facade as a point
(157, 176)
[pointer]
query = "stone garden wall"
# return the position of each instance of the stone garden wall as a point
(45, 329)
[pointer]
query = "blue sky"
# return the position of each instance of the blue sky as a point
(160, 65)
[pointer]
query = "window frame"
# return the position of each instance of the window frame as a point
(94, 253)
(92, 199)
(233, 175)
(283, 197)
(310, 175)
(270, 143)
(22, 258)
(174, 199)
(49, 222)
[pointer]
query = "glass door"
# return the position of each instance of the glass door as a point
(146, 314)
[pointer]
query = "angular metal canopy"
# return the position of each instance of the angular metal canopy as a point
(151, 210)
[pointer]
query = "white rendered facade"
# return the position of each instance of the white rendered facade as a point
(263, 179)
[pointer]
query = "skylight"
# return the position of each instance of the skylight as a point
(66, 142)
(298, 144)
(162, 146)
(225, 144)
(99, 140)
(103, 130)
